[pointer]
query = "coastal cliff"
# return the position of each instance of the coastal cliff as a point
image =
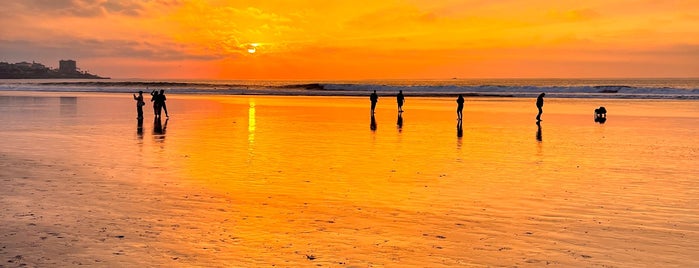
(26, 70)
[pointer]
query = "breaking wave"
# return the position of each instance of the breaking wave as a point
(562, 88)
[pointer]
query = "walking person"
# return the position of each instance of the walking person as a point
(459, 107)
(374, 98)
(400, 99)
(139, 104)
(540, 105)
(162, 100)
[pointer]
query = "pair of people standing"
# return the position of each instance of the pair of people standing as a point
(158, 100)
(374, 98)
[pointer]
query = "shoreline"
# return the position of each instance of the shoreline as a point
(517, 88)
(382, 94)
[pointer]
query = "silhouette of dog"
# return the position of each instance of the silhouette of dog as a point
(601, 115)
(601, 112)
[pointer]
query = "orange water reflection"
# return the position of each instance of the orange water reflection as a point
(313, 178)
(299, 181)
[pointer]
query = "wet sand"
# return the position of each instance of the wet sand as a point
(254, 181)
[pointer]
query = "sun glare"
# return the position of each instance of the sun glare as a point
(252, 48)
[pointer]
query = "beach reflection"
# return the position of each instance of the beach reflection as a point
(251, 122)
(320, 190)
(159, 129)
(372, 124)
(459, 129)
(69, 106)
(139, 127)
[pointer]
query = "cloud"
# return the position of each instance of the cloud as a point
(86, 8)
(92, 48)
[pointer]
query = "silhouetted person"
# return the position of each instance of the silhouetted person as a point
(400, 99)
(459, 107)
(374, 98)
(539, 105)
(156, 103)
(139, 104)
(372, 125)
(538, 131)
(162, 100)
(399, 122)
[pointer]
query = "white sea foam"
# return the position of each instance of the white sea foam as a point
(563, 88)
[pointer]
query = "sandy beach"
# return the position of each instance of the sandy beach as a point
(261, 181)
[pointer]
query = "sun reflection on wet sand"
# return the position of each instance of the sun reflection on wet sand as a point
(301, 181)
(251, 122)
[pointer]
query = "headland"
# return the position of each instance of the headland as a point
(24, 70)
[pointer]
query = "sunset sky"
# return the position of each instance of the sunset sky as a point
(380, 39)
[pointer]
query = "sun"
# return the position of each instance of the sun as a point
(252, 48)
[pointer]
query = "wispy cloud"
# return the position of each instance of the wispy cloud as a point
(433, 37)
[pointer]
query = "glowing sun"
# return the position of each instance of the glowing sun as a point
(252, 48)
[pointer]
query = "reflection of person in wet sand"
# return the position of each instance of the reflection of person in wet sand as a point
(372, 125)
(400, 99)
(139, 127)
(374, 98)
(459, 128)
(540, 105)
(459, 107)
(158, 127)
(538, 131)
(399, 122)
(139, 104)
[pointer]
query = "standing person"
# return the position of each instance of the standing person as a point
(156, 103)
(539, 105)
(139, 104)
(459, 107)
(162, 102)
(401, 99)
(374, 98)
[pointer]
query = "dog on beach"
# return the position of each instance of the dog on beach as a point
(601, 114)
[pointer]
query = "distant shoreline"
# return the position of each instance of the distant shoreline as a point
(24, 70)
(56, 75)
(95, 77)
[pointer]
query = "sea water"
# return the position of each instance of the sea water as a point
(670, 88)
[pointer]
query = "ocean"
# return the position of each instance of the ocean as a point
(662, 88)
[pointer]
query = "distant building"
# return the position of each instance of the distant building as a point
(38, 66)
(68, 69)
(67, 66)
(23, 64)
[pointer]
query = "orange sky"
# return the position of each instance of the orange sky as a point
(380, 39)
